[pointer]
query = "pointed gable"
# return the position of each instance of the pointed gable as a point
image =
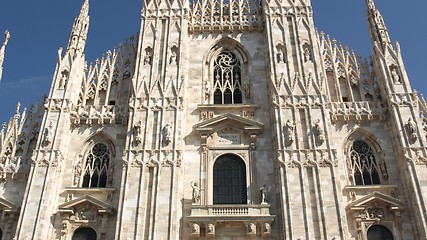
(8, 206)
(229, 119)
(376, 197)
(101, 206)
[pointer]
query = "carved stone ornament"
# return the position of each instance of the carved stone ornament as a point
(375, 213)
(266, 229)
(251, 229)
(195, 229)
(210, 229)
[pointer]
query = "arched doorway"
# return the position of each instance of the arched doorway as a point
(229, 180)
(378, 232)
(84, 234)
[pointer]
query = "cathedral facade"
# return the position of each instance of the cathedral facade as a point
(221, 120)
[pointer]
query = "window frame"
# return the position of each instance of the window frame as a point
(80, 168)
(235, 177)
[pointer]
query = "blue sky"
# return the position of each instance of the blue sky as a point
(39, 28)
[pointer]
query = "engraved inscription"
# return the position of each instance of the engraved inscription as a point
(228, 138)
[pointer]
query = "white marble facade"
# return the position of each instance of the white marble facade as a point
(221, 120)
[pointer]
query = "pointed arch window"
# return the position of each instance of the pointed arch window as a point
(95, 174)
(229, 180)
(363, 164)
(227, 75)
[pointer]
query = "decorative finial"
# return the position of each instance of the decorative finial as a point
(370, 4)
(85, 8)
(2, 50)
(7, 37)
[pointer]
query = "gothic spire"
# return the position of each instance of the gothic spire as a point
(78, 34)
(377, 27)
(2, 51)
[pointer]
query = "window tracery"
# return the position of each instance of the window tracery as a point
(364, 169)
(96, 172)
(227, 74)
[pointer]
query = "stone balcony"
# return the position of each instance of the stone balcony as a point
(256, 218)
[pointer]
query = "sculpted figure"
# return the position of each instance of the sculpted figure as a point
(63, 80)
(279, 56)
(137, 129)
(48, 133)
(167, 131)
(307, 54)
(411, 127)
(147, 57)
(196, 192)
(172, 58)
(263, 192)
(77, 173)
(208, 89)
(395, 75)
(289, 128)
(247, 89)
(318, 131)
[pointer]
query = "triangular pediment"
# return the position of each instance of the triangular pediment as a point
(376, 197)
(7, 205)
(229, 119)
(101, 206)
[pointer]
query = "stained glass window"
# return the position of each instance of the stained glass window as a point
(96, 168)
(363, 165)
(227, 76)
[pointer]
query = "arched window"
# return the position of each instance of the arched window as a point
(363, 164)
(378, 232)
(84, 234)
(229, 180)
(95, 172)
(227, 74)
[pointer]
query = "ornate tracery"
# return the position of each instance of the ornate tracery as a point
(364, 169)
(95, 172)
(227, 74)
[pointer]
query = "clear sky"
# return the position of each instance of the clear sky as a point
(39, 28)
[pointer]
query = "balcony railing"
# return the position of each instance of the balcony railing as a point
(210, 213)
